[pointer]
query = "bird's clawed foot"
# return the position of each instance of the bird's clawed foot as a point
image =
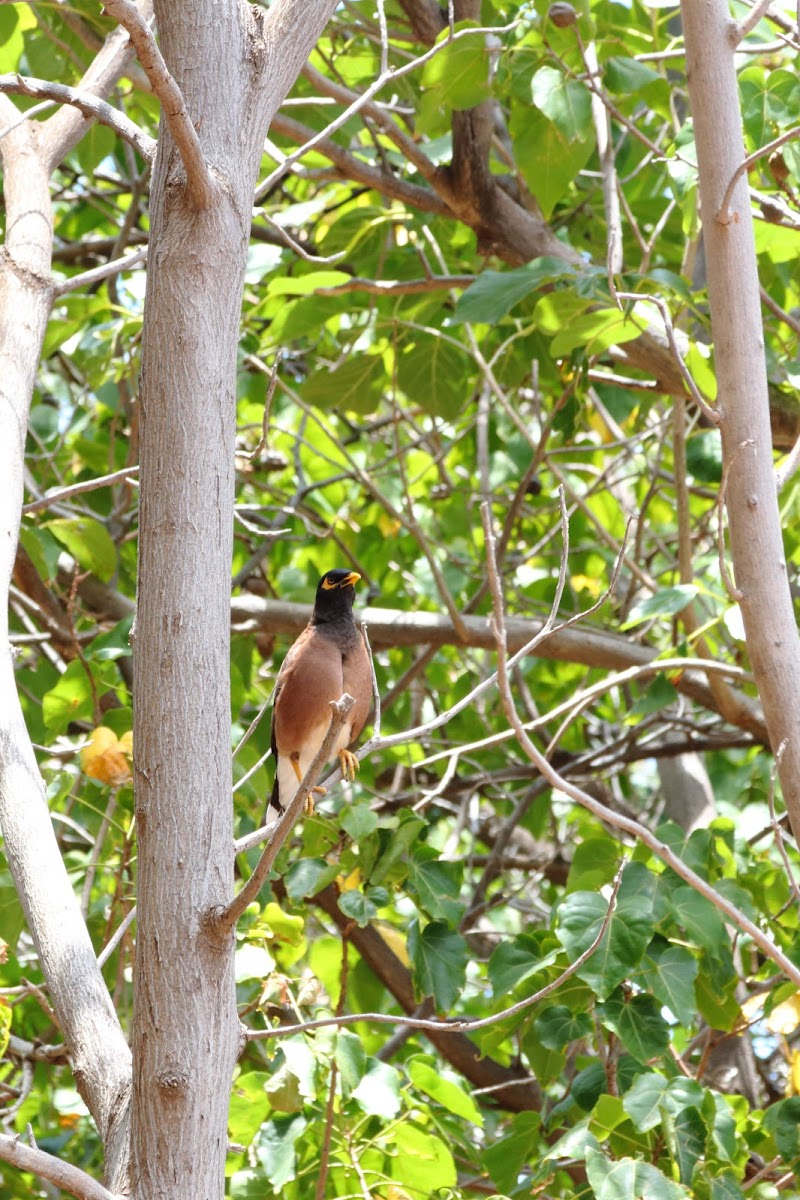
(350, 764)
(309, 804)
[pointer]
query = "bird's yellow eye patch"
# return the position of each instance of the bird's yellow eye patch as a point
(328, 584)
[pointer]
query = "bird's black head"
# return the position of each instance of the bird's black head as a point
(335, 595)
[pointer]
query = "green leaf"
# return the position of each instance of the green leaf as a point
(304, 285)
(699, 918)
(549, 161)
(423, 1162)
(556, 1027)
(439, 958)
(629, 1179)
(686, 1139)
(663, 603)
(704, 456)
(72, 699)
(436, 885)
(350, 1058)
(495, 293)
(276, 1152)
(252, 962)
(669, 973)
(517, 960)
(566, 102)
(400, 842)
(580, 917)
(638, 1024)
(505, 1159)
(726, 1187)
(88, 542)
(358, 906)
(6, 1013)
(594, 863)
(459, 73)
(43, 549)
(307, 876)
(378, 1093)
(249, 1107)
(358, 821)
(432, 372)
(97, 143)
(651, 1093)
(782, 1120)
(595, 331)
(355, 386)
(446, 1092)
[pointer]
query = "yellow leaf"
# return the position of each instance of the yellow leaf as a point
(394, 940)
(785, 1017)
(389, 526)
(352, 883)
(793, 1081)
(584, 583)
(107, 757)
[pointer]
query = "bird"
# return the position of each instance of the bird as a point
(329, 658)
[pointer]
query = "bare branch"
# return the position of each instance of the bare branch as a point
(76, 489)
(228, 917)
(61, 1174)
(740, 29)
(723, 215)
(397, 287)
(456, 1025)
(91, 107)
(98, 274)
(199, 181)
(626, 824)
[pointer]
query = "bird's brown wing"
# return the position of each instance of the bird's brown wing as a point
(311, 676)
(357, 680)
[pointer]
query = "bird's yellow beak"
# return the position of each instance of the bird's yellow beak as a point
(349, 581)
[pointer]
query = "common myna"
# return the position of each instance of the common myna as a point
(328, 659)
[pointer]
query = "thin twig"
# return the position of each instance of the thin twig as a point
(376, 691)
(600, 810)
(119, 934)
(457, 1024)
(98, 274)
(730, 586)
(199, 181)
(712, 414)
(723, 216)
(85, 102)
(776, 828)
(77, 489)
(226, 917)
(740, 29)
(786, 470)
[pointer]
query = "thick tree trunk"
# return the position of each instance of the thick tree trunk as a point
(186, 1031)
(99, 1053)
(755, 531)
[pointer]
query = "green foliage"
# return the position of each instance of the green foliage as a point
(425, 367)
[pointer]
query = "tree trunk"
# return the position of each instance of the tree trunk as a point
(97, 1046)
(755, 531)
(186, 1032)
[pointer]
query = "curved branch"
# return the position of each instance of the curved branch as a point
(91, 107)
(61, 1174)
(199, 181)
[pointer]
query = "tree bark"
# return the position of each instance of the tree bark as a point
(100, 1055)
(755, 532)
(234, 65)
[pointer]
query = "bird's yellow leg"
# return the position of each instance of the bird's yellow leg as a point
(350, 764)
(309, 801)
